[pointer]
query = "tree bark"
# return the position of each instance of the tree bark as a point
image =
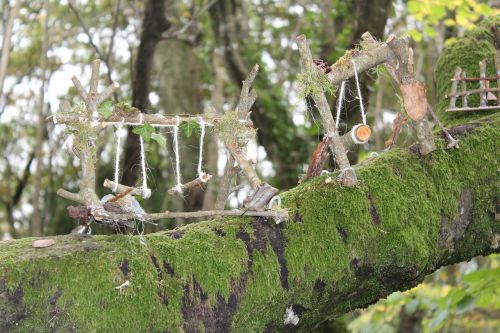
(36, 223)
(4, 55)
(153, 26)
(344, 248)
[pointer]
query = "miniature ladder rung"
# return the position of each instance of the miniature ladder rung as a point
(479, 108)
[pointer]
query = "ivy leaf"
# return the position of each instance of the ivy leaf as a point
(160, 139)
(106, 109)
(189, 127)
(145, 131)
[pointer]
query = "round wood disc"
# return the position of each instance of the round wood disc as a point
(363, 132)
(43, 243)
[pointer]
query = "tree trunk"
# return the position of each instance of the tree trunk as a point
(4, 55)
(153, 25)
(36, 222)
(343, 248)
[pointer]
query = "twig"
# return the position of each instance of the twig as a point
(98, 51)
(481, 78)
(454, 86)
(452, 143)
(318, 158)
(397, 125)
(122, 188)
(121, 195)
(276, 214)
(114, 29)
(155, 120)
(195, 182)
(482, 85)
(347, 175)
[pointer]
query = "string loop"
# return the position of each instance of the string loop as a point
(177, 157)
(362, 108)
(200, 157)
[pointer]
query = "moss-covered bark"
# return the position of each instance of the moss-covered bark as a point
(343, 248)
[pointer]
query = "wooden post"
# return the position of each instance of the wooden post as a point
(464, 90)
(454, 86)
(482, 83)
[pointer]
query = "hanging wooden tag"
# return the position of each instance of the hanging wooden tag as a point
(414, 100)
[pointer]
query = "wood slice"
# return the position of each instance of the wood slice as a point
(43, 243)
(414, 100)
(363, 133)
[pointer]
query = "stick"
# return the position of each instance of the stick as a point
(200, 181)
(482, 72)
(110, 218)
(122, 188)
(454, 86)
(347, 175)
(155, 120)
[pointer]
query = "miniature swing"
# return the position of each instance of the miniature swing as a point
(360, 133)
(179, 187)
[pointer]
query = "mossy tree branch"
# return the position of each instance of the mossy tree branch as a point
(344, 248)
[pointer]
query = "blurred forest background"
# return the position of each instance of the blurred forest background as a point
(180, 56)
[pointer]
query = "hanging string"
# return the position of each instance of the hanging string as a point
(176, 151)
(339, 104)
(363, 116)
(146, 193)
(202, 138)
(117, 158)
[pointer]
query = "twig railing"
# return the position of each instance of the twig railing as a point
(486, 93)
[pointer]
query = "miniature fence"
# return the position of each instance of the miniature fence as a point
(486, 94)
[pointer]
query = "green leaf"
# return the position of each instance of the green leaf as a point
(411, 306)
(467, 303)
(145, 131)
(160, 139)
(438, 12)
(105, 109)
(415, 34)
(431, 32)
(188, 128)
(439, 321)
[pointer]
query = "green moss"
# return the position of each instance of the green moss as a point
(465, 53)
(312, 83)
(230, 127)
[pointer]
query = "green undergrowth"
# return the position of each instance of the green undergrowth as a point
(466, 53)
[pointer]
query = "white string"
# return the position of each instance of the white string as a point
(176, 151)
(363, 116)
(200, 157)
(117, 158)
(339, 104)
(146, 193)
